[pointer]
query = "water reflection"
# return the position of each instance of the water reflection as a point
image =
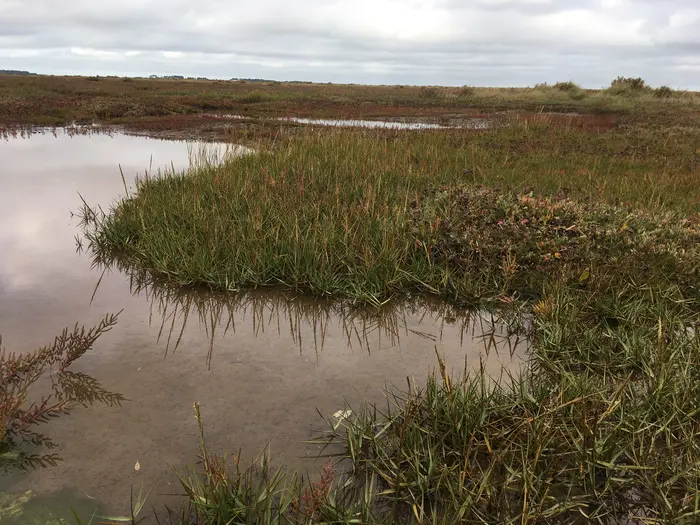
(358, 123)
(400, 123)
(43, 178)
(72, 130)
(307, 321)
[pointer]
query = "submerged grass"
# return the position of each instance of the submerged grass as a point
(592, 238)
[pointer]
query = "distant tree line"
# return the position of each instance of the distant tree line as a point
(15, 72)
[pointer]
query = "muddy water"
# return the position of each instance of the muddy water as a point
(260, 364)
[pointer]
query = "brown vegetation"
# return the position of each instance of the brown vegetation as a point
(49, 100)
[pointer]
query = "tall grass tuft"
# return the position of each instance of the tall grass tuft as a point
(628, 86)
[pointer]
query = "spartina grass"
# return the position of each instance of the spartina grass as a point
(363, 214)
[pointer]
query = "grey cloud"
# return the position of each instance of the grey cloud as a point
(491, 42)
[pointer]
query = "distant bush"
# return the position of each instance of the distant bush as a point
(574, 91)
(664, 92)
(428, 93)
(632, 83)
(567, 86)
(577, 94)
(627, 86)
(465, 92)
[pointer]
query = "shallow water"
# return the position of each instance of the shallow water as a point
(359, 123)
(398, 123)
(260, 364)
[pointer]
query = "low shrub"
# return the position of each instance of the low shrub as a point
(627, 86)
(566, 86)
(664, 92)
(429, 93)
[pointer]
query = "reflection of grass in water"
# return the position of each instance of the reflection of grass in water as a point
(293, 316)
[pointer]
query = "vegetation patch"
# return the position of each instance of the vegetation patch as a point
(521, 242)
(52, 100)
(628, 86)
(589, 238)
(22, 446)
(370, 215)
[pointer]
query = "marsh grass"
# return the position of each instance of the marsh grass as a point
(590, 238)
(360, 214)
(550, 447)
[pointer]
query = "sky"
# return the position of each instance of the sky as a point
(419, 42)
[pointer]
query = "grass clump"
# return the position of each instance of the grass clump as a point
(300, 219)
(569, 88)
(566, 86)
(628, 86)
(222, 491)
(359, 215)
(572, 89)
(664, 92)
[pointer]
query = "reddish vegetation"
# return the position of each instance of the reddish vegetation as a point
(45, 100)
(313, 497)
(588, 122)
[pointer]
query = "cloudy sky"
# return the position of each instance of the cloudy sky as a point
(451, 42)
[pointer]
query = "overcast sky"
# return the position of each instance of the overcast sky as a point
(450, 42)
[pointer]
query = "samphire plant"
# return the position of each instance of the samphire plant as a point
(22, 445)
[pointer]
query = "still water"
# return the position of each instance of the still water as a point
(399, 123)
(259, 364)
